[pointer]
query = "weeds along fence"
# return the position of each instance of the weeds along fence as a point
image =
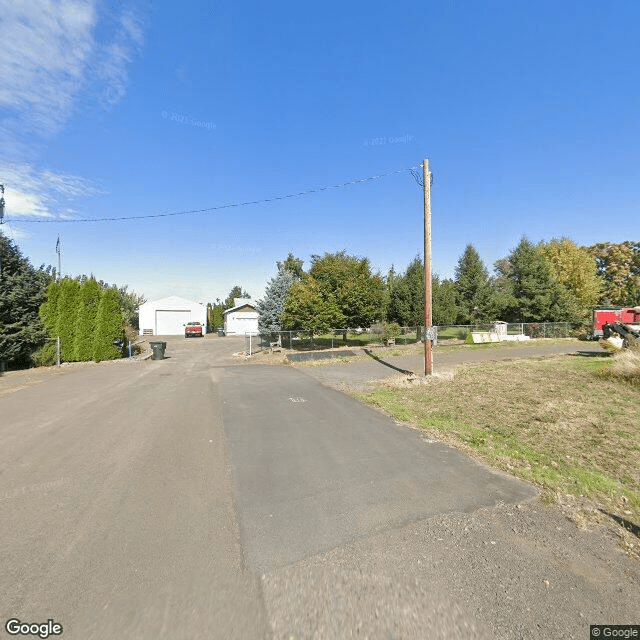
(530, 329)
(299, 340)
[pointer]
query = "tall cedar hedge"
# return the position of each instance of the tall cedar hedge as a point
(66, 321)
(49, 316)
(88, 302)
(109, 327)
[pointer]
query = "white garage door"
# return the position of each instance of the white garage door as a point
(171, 323)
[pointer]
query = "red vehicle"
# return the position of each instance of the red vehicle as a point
(611, 315)
(192, 329)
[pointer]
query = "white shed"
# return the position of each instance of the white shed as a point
(241, 318)
(168, 316)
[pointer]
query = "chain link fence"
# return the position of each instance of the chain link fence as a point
(299, 340)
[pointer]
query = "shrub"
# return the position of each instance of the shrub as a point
(469, 338)
(109, 328)
(66, 317)
(89, 299)
(391, 330)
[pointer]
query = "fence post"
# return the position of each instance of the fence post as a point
(58, 350)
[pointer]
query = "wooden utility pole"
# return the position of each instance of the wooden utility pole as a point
(428, 354)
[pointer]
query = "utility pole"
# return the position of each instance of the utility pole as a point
(428, 337)
(1, 219)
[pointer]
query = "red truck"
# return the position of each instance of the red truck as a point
(192, 329)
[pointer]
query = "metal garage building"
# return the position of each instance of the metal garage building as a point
(242, 318)
(168, 316)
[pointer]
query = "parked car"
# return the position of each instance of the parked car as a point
(192, 329)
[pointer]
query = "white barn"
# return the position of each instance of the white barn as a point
(168, 316)
(241, 318)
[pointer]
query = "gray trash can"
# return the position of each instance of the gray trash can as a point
(158, 349)
(221, 332)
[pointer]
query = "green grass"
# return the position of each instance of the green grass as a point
(554, 422)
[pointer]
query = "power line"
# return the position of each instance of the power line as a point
(222, 206)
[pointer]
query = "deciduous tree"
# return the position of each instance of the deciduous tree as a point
(348, 280)
(575, 268)
(311, 307)
(619, 267)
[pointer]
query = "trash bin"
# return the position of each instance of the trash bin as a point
(221, 332)
(158, 350)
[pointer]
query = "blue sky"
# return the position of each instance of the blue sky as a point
(529, 113)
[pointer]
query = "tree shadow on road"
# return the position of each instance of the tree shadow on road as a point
(388, 364)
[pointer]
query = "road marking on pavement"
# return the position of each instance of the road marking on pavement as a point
(297, 399)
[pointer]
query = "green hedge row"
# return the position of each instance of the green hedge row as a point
(86, 318)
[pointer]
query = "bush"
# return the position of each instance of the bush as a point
(391, 330)
(45, 356)
(469, 338)
(109, 328)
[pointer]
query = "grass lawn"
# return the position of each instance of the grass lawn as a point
(562, 423)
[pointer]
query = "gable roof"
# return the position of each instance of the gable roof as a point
(245, 305)
(173, 301)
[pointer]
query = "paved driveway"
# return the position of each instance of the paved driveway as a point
(198, 497)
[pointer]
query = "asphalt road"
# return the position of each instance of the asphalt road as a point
(198, 497)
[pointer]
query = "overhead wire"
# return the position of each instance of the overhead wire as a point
(222, 206)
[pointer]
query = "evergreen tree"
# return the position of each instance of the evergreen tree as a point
(271, 306)
(89, 300)
(49, 308)
(406, 304)
(109, 328)
(236, 292)
(530, 290)
(46, 355)
(444, 301)
(216, 314)
(294, 265)
(475, 297)
(68, 300)
(22, 291)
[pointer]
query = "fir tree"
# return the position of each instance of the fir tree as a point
(22, 291)
(475, 296)
(271, 306)
(109, 328)
(531, 291)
